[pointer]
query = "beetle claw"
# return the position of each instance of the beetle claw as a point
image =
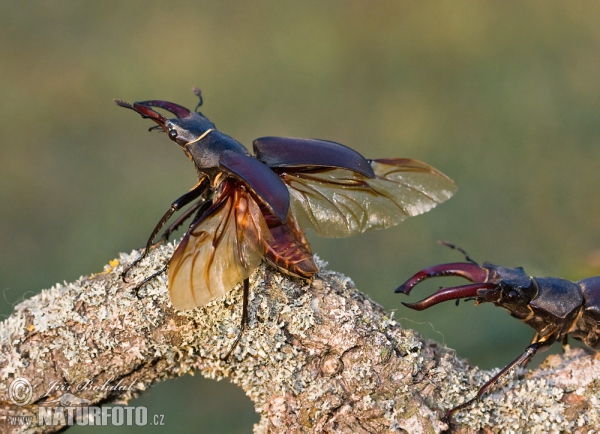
(176, 109)
(471, 271)
(452, 293)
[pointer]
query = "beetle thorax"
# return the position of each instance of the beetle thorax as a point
(206, 153)
(556, 306)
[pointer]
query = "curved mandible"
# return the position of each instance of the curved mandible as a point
(176, 109)
(470, 271)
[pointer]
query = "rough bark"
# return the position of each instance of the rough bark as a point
(318, 356)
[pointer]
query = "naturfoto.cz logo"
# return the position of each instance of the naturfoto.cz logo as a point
(68, 409)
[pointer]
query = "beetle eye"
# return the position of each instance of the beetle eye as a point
(172, 133)
(512, 295)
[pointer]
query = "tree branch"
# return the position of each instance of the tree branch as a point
(318, 356)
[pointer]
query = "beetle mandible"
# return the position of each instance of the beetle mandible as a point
(249, 208)
(554, 307)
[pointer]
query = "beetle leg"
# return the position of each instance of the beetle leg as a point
(523, 358)
(535, 339)
(194, 193)
(167, 233)
(469, 271)
(246, 295)
(452, 293)
(137, 287)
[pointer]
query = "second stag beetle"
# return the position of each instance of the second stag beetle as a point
(554, 307)
(252, 208)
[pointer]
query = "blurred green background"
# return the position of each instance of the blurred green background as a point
(504, 97)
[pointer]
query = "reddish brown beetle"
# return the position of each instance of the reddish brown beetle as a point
(249, 208)
(554, 307)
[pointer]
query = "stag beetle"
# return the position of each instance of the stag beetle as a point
(249, 208)
(554, 307)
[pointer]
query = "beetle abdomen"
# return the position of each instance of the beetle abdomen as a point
(289, 250)
(588, 325)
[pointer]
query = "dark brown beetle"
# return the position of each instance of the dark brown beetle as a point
(251, 208)
(554, 307)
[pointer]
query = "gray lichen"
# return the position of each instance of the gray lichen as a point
(316, 356)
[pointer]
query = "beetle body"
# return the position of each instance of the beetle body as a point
(553, 307)
(249, 208)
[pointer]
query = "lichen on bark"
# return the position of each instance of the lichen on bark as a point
(316, 356)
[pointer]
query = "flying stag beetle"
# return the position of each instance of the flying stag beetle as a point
(249, 208)
(554, 307)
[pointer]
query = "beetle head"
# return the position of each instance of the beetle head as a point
(513, 290)
(510, 288)
(185, 128)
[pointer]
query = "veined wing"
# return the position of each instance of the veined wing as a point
(222, 249)
(340, 202)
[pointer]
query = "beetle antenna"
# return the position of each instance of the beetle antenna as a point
(156, 128)
(199, 95)
(455, 247)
